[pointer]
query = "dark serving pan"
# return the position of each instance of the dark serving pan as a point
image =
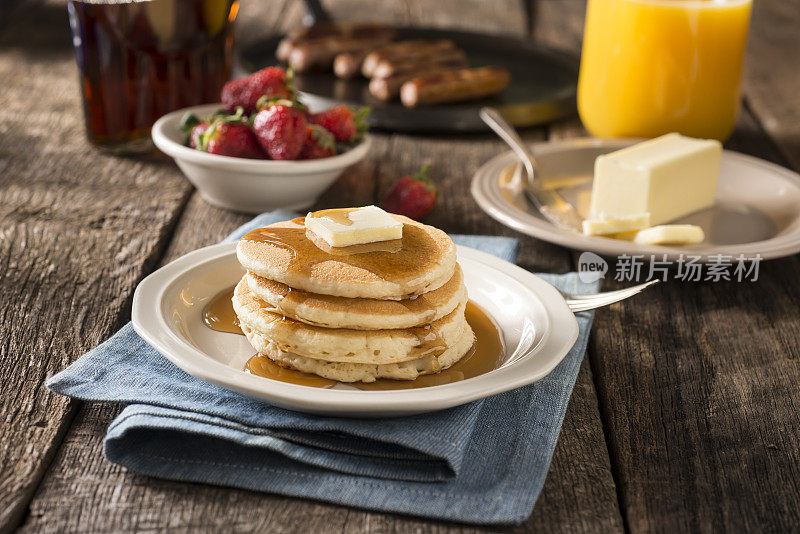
(542, 89)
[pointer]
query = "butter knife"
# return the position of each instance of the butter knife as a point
(548, 201)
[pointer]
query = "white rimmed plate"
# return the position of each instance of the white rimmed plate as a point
(757, 209)
(537, 326)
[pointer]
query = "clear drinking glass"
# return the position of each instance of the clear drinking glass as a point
(141, 59)
(650, 67)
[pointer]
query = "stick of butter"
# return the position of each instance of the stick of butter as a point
(612, 225)
(668, 177)
(344, 227)
(665, 234)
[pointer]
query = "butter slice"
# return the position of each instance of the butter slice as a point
(666, 234)
(354, 226)
(668, 177)
(613, 225)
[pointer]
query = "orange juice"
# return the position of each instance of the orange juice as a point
(651, 67)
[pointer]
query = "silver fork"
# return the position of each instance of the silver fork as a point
(579, 303)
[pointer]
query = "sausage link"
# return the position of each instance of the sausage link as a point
(453, 86)
(389, 88)
(401, 49)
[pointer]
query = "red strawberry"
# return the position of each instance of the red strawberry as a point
(233, 94)
(281, 130)
(230, 139)
(345, 124)
(245, 92)
(193, 128)
(320, 143)
(412, 196)
(196, 134)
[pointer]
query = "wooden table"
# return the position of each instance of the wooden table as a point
(686, 413)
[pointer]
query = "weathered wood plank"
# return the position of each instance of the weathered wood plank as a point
(703, 419)
(456, 211)
(696, 380)
(700, 399)
(77, 231)
(772, 79)
(104, 497)
(578, 495)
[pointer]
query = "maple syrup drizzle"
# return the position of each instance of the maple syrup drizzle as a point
(337, 215)
(262, 366)
(420, 305)
(218, 314)
(485, 355)
(429, 339)
(393, 260)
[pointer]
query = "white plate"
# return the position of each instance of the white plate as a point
(538, 331)
(757, 209)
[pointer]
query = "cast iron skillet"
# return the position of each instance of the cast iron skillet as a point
(542, 89)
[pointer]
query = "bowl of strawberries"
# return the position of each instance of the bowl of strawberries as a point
(260, 148)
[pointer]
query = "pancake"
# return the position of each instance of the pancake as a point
(347, 345)
(360, 313)
(423, 260)
(362, 372)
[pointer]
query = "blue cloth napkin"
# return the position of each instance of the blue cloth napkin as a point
(484, 462)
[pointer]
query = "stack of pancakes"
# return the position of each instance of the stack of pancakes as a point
(392, 309)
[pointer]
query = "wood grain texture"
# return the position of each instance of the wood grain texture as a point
(772, 79)
(695, 383)
(701, 406)
(77, 231)
(700, 400)
(577, 495)
(695, 380)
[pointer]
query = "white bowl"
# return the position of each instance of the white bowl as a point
(250, 185)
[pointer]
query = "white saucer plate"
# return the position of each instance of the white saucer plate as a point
(538, 329)
(757, 207)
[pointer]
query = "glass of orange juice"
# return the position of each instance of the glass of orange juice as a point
(651, 67)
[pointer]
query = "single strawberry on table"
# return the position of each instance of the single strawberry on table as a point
(320, 143)
(346, 125)
(281, 130)
(412, 196)
(245, 92)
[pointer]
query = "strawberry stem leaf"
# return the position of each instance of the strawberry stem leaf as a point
(188, 121)
(422, 175)
(360, 116)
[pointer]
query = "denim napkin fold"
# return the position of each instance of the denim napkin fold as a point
(484, 462)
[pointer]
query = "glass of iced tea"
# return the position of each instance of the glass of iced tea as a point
(143, 58)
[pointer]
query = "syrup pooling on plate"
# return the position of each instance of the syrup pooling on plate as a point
(262, 366)
(486, 354)
(218, 314)
(392, 261)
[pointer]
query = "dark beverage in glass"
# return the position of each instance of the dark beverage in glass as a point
(141, 59)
